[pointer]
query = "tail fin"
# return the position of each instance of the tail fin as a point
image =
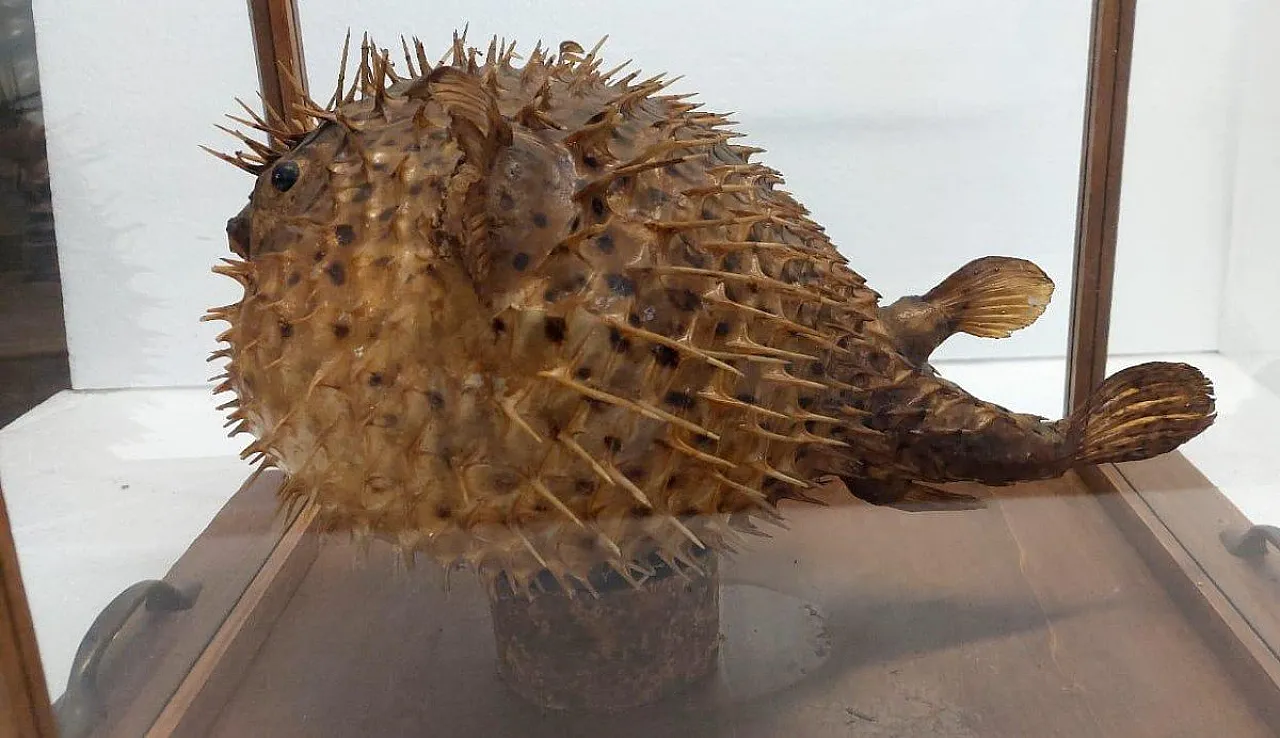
(1141, 412)
(993, 296)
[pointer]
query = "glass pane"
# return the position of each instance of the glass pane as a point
(508, 346)
(1196, 269)
(111, 469)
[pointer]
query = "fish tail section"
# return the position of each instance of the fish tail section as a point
(1141, 412)
(993, 296)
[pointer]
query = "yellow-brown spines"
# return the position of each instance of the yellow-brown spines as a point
(533, 318)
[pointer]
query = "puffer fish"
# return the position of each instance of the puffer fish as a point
(548, 320)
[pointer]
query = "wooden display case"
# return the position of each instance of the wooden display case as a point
(1128, 600)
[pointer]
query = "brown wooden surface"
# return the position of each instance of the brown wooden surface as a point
(24, 699)
(1035, 617)
(1173, 514)
(1098, 209)
(159, 649)
(278, 43)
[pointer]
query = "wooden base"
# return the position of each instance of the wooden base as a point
(627, 647)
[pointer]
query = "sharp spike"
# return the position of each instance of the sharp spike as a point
(624, 327)
(556, 502)
(560, 376)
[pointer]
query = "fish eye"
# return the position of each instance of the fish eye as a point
(285, 175)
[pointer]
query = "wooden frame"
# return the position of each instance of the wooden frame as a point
(25, 711)
(1164, 505)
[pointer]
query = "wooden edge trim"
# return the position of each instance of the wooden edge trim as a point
(1244, 653)
(217, 567)
(25, 710)
(195, 705)
(277, 42)
(1098, 206)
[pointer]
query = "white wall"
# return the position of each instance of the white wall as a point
(1176, 202)
(130, 90)
(1250, 323)
(921, 133)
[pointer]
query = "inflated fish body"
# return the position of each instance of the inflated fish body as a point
(541, 318)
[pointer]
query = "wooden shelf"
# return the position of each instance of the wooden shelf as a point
(1036, 616)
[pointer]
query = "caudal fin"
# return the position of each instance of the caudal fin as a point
(993, 296)
(1141, 412)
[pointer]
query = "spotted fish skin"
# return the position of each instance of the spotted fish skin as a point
(546, 318)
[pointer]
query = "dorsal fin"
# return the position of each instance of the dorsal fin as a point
(482, 133)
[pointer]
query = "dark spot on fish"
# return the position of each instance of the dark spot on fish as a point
(682, 400)
(811, 425)
(596, 118)
(382, 261)
(633, 320)
(390, 420)
(293, 279)
(605, 243)
(732, 263)
(555, 329)
(704, 442)
(286, 330)
(613, 443)
(746, 397)
(415, 189)
(362, 193)
(656, 195)
(722, 329)
(591, 161)
(337, 273)
(619, 342)
(597, 207)
(387, 214)
(686, 300)
(345, 234)
(436, 400)
(636, 473)
(498, 325)
(443, 512)
(584, 486)
(816, 369)
(341, 330)
(375, 379)
(805, 402)
(520, 261)
(666, 356)
(582, 372)
(540, 507)
(708, 213)
(621, 285)
(318, 257)
(638, 511)
(505, 201)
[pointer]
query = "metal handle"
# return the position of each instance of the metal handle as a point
(1252, 543)
(80, 706)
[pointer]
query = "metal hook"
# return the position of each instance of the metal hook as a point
(80, 706)
(1252, 543)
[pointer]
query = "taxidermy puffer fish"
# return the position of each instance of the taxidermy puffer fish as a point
(545, 319)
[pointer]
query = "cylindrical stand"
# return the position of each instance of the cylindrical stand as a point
(629, 646)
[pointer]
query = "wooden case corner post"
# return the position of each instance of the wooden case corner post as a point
(277, 41)
(1098, 206)
(25, 711)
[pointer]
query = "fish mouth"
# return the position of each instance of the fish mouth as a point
(238, 233)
